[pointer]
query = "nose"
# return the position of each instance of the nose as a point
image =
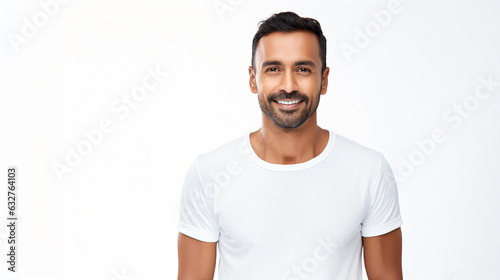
(288, 82)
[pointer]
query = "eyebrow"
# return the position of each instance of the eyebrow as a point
(278, 63)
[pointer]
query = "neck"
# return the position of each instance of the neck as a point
(289, 146)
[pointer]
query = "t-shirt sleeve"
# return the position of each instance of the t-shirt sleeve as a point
(196, 208)
(383, 214)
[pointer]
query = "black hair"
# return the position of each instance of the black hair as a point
(288, 22)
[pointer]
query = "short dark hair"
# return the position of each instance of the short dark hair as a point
(288, 22)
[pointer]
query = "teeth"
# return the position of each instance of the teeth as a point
(288, 102)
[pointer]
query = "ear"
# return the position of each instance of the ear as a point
(324, 80)
(251, 73)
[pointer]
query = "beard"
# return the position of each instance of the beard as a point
(288, 119)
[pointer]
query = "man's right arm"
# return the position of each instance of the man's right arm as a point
(196, 258)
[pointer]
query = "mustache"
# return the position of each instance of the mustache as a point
(285, 95)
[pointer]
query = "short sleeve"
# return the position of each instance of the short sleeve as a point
(383, 214)
(196, 208)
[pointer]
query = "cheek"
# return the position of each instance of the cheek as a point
(310, 85)
(267, 84)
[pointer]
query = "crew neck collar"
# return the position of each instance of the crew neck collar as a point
(292, 167)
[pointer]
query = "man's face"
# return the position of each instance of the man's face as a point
(287, 77)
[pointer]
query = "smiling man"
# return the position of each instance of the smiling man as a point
(290, 200)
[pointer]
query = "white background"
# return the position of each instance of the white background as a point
(114, 215)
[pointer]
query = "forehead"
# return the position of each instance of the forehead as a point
(288, 47)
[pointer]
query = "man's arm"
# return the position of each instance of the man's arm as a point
(382, 255)
(196, 258)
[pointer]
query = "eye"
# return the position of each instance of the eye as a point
(272, 69)
(303, 69)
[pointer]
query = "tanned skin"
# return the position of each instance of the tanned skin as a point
(287, 62)
(196, 258)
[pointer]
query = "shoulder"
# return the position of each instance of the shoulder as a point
(352, 152)
(359, 160)
(363, 163)
(223, 155)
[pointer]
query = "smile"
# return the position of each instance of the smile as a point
(288, 102)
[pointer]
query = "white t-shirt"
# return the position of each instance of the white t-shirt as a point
(293, 221)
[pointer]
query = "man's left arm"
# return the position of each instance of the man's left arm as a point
(382, 256)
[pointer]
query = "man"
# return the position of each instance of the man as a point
(290, 200)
